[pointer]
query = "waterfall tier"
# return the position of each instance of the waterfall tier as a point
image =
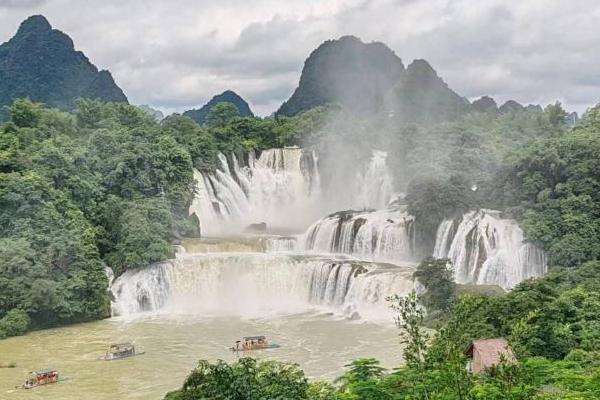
(487, 249)
(384, 235)
(259, 284)
(283, 189)
(374, 187)
(279, 188)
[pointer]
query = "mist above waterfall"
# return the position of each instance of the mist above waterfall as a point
(283, 188)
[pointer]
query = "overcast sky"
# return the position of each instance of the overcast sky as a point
(175, 55)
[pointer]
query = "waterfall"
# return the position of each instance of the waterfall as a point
(384, 235)
(281, 186)
(443, 239)
(374, 184)
(110, 275)
(279, 244)
(487, 249)
(259, 284)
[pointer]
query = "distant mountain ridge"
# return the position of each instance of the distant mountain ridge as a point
(346, 71)
(369, 78)
(41, 63)
(228, 96)
(422, 96)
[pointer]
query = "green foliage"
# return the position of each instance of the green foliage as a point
(221, 115)
(556, 114)
(558, 181)
(548, 317)
(437, 277)
(104, 185)
(25, 114)
(14, 323)
(431, 200)
(246, 379)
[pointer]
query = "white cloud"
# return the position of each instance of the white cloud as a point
(176, 55)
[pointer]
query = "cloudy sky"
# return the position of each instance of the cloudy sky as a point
(175, 55)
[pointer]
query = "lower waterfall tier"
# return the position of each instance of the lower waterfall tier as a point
(260, 284)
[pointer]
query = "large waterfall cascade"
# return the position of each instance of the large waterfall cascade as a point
(347, 262)
(281, 187)
(260, 284)
(485, 248)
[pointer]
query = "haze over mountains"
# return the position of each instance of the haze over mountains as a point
(42, 64)
(370, 78)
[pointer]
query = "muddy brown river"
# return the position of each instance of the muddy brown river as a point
(321, 343)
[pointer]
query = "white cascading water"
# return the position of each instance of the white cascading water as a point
(110, 275)
(258, 285)
(374, 185)
(283, 189)
(384, 235)
(486, 249)
(347, 262)
(279, 244)
(280, 187)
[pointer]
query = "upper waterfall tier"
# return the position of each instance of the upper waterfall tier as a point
(259, 284)
(487, 249)
(374, 187)
(282, 188)
(384, 235)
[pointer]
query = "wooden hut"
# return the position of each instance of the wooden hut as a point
(485, 354)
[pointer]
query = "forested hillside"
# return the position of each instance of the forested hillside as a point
(42, 64)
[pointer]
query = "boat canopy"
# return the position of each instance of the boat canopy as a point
(254, 338)
(121, 346)
(45, 371)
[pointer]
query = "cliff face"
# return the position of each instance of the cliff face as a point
(228, 96)
(41, 63)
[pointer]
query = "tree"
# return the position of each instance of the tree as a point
(222, 114)
(556, 114)
(409, 320)
(431, 200)
(15, 322)
(437, 276)
(24, 113)
(246, 379)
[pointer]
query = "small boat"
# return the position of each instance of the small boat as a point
(253, 343)
(119, 351)
(40, 378)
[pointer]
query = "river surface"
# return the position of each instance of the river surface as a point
(321, 343)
